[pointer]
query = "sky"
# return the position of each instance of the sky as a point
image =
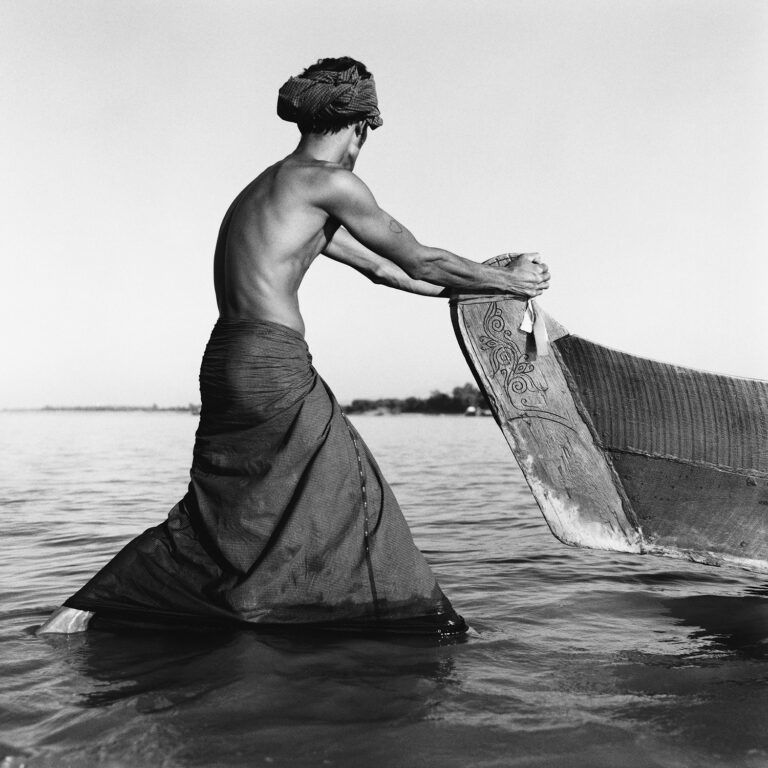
(623, 140)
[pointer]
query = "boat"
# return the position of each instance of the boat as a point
(620, 452)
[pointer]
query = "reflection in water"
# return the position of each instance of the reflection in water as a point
(205, 694)
(736, 623)
(111, 667)
(191, 665)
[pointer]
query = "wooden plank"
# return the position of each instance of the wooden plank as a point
(569, 477)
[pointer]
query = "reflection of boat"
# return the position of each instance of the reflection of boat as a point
(621, 452)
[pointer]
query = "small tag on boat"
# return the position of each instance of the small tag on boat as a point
(533, 322)
(527, 325)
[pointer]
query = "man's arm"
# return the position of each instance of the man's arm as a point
(345, 197)
(344, 248)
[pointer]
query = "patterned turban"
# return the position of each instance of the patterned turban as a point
(324, 96)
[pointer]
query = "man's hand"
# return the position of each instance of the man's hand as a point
(530, 275)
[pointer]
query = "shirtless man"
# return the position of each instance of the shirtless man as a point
(309, 203)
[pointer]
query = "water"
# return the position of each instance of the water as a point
(580, 659)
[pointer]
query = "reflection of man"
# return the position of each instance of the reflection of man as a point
(287, 519)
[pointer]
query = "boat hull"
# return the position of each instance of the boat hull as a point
(620, 452)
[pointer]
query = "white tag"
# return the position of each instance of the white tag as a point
(527, 325)
(533, 322)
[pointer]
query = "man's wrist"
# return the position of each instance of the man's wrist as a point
(505, 279)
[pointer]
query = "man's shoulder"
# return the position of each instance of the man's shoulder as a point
(318, 180)
(319, 171)
(315, 172)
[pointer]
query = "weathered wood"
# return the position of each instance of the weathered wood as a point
(695, 511)
(620, 452)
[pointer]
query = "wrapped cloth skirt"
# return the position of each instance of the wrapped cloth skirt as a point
(287, 519)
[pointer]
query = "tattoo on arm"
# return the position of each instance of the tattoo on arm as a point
(395, 227)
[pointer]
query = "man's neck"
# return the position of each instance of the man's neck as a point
(326, 147)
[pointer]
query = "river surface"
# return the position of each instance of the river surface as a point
(578, 658)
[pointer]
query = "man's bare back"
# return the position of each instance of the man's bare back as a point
(268, 239)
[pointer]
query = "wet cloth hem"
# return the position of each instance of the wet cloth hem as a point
(109, 617)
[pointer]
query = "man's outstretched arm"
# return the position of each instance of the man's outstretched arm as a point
(345, 249)
(345, 197)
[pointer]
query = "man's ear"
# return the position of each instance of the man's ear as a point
(361, 131)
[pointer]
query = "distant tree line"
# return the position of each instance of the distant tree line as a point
(191, 408)
(458, 401)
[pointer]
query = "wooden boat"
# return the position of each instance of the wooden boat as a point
(620, 452)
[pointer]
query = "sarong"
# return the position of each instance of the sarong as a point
(287, 519)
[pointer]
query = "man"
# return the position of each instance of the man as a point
(287, 520)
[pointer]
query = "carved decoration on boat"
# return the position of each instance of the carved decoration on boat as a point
(524, 382)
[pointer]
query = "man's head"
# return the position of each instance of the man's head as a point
(329, 96)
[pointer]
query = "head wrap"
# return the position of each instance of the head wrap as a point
(325, 96)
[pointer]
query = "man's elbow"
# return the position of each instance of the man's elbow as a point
(419, 271)
(427, 267)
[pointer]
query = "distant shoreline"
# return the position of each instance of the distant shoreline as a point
(191, 408)
(182, 410)
(466, 400)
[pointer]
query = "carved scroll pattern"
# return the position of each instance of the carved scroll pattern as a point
(524, 385)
